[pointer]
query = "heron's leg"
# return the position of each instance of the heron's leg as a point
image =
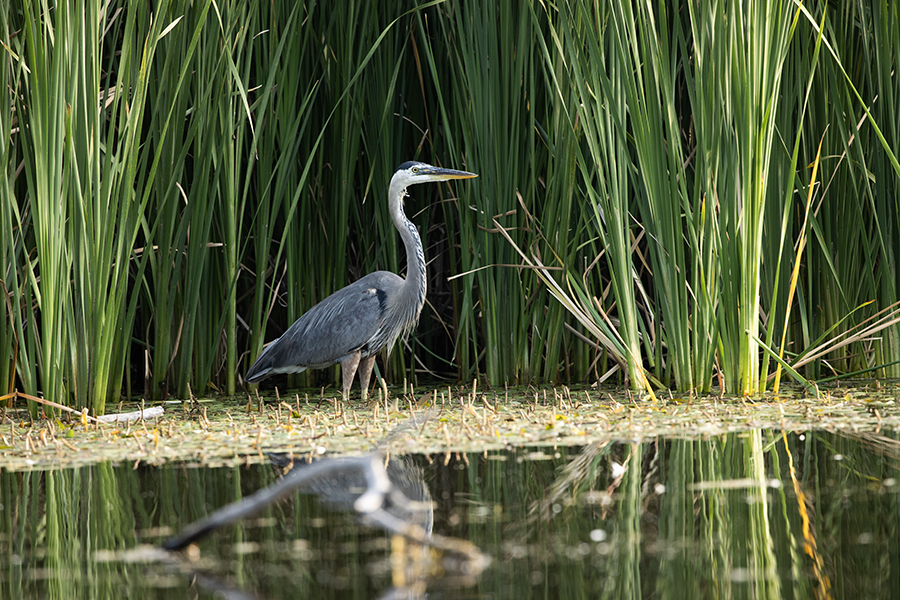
(348, 370)
(365, 372)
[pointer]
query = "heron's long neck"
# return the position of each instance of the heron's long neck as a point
(415, 284)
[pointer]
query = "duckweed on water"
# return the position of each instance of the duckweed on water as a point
(217, 432)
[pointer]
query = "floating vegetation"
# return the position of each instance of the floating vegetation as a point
(442, 421)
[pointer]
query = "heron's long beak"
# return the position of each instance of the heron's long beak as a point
(440, 174)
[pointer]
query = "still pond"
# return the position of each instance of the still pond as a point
(754, 514)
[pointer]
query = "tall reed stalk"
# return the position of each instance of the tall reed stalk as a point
(491, 80)
(857, 219)
(12, 279)
(594, 84)
(44, 148)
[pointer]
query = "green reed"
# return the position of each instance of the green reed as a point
(601, 76)
(181, 186)
(855, 221)
(12, 282)
(488, 86)
(43, 152)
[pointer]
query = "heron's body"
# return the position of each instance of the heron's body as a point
(351, 326)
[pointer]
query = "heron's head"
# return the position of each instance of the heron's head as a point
(411, 173)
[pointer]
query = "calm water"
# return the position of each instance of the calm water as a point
(721, 518)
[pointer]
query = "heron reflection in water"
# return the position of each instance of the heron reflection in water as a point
(390, 495)
(351, 326)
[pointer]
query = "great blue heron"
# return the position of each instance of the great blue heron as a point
(352, 325)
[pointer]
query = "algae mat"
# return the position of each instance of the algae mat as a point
(226, 431)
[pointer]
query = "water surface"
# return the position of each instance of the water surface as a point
(752, 515)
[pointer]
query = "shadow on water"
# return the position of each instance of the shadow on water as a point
(751, 515)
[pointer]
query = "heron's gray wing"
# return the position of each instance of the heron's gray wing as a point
(337, 326)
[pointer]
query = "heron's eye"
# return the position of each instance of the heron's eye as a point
(415, 169)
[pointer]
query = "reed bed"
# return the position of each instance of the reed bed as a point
(670, 194)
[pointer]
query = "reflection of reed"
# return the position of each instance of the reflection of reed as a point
(681, 529)
(763, 563)
(582, 471)
(810, 547)
(877, 443)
